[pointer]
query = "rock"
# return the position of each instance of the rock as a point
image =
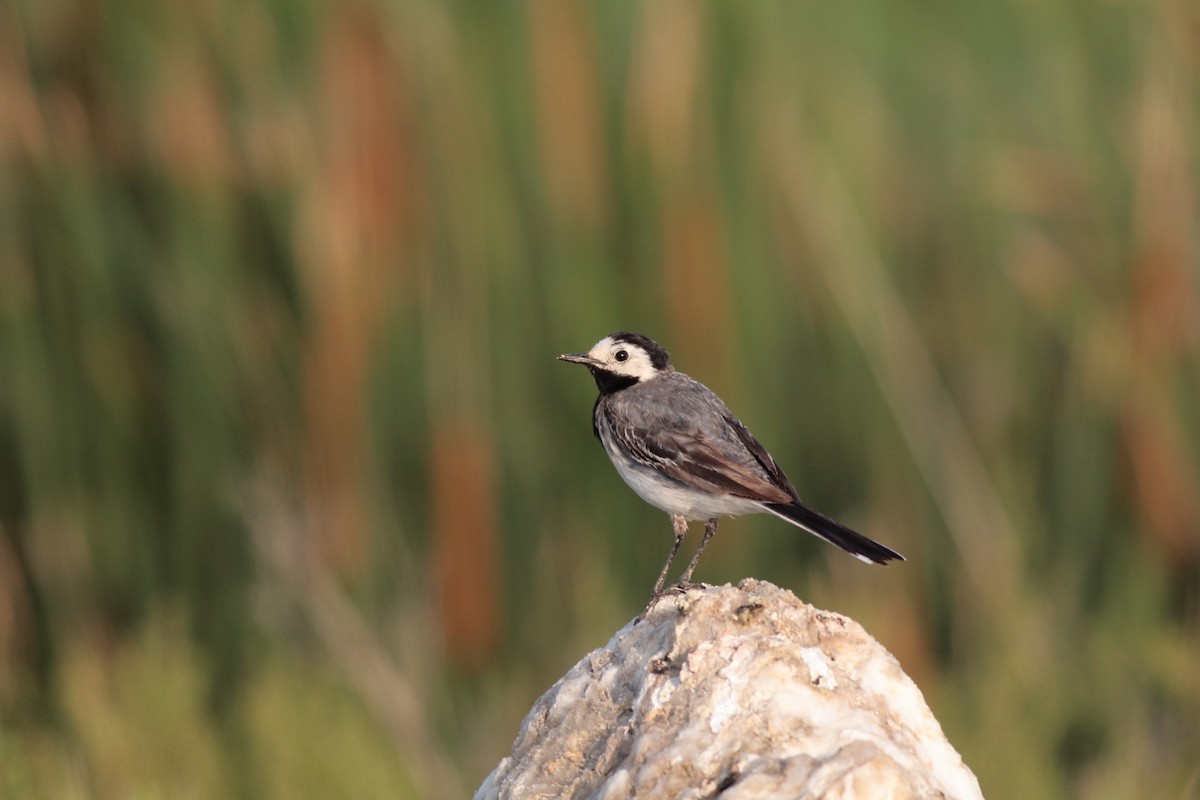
(738, 693)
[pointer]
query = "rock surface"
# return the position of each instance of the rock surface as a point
(738, 693)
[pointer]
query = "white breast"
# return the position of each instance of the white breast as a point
(670, 495)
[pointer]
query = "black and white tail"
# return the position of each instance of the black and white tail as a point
(833, 532)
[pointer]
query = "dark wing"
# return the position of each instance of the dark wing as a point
(763, 458)
(702, 463)
(810, 519)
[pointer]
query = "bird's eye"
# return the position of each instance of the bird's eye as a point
(621, 355)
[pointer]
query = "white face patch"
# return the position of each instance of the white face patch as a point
(623, 358)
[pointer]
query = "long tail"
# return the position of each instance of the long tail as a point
(820, 525)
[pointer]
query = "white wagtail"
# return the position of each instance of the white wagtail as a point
(682, 450)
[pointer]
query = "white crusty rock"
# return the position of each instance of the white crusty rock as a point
(733, 693)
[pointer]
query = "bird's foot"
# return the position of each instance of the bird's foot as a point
(654, 598)
(677, 588)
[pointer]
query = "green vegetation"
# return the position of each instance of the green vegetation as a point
(296, 502)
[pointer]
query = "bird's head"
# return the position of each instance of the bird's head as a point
(622, 359)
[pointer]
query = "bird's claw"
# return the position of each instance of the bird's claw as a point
(677, 588)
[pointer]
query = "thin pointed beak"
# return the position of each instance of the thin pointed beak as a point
(579, 358)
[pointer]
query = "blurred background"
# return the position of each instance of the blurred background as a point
(295, 501)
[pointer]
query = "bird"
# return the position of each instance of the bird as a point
(681, 449)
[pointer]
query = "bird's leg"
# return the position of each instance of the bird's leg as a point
(680, 526)
(710, 528)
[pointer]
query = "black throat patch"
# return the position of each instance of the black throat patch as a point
(609, 382)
